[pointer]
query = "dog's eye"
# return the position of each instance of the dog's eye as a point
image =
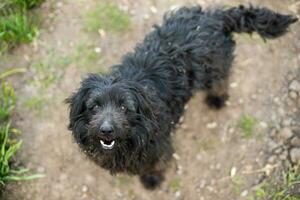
(95, 107)
(123, 107)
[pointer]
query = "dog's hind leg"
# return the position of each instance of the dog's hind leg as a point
(152, 180)
(217, 94)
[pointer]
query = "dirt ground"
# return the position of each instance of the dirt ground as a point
(213, 159)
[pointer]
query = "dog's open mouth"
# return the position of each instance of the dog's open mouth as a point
(107, 144)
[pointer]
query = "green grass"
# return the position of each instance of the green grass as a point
(8, 148)
(85, 54)
(123, 180)
(109, 17)
(26, 4)
(35, 103)
(86, 59)
(246, 123)
(16, 29)
(7, 101)
(287, 189)
(16, 23)
(237, 183)
(48, 70)
(175, 185)
(207, 144)
(45, 73)
(8, 144)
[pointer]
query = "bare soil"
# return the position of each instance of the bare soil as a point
(213, 159)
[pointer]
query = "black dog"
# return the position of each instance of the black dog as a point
(123, 120)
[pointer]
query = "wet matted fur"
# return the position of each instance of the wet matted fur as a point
(123, 120)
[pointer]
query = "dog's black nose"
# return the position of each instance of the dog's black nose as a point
(106, 128)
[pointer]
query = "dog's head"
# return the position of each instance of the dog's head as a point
(107, 115)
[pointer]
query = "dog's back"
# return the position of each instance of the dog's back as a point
(201, 41)
(193, 49)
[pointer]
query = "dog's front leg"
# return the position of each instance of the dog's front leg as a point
(217, 94)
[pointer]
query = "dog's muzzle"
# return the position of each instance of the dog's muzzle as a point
(106, 133)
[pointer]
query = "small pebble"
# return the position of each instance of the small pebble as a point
(295, 142)
(295, 86)
(278, 151)
(228, 103)
(124, 8)
(119, 194)
(184, 126)
(199, 157)
(244, 193)
(254, 96)
(186, 107)
(153, 9)
(263, 124)
(272, 159)
(176, 156)
(41, 169)
(241, 101)
(285, 134)
(181, 119)
(295, 155)
(202, 183)
(233, 84)
(211, 125)
(84, 189)
(146, 16)
(268, 169)
(179, 170)
(174, 7)
(59, 4)
(177, 194)
(209, 188)
(276, 100)
(233, 172)
(293, 94)
(283, 155)
(287, 122)
(97, 50)
(63, 177)
(102, 33)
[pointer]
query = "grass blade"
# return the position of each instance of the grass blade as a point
(12, 71)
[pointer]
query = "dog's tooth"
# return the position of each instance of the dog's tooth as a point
(107, 146)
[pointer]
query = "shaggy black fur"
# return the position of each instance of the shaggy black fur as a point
(123, 120)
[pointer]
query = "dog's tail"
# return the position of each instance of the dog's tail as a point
(265, 22)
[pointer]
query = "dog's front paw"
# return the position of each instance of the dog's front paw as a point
(216, 102)
(151, 181)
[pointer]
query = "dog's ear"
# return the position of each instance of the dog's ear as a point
(77, 106)
(77, 101)
(144, 105)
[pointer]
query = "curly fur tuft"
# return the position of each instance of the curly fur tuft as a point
(265, 22)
